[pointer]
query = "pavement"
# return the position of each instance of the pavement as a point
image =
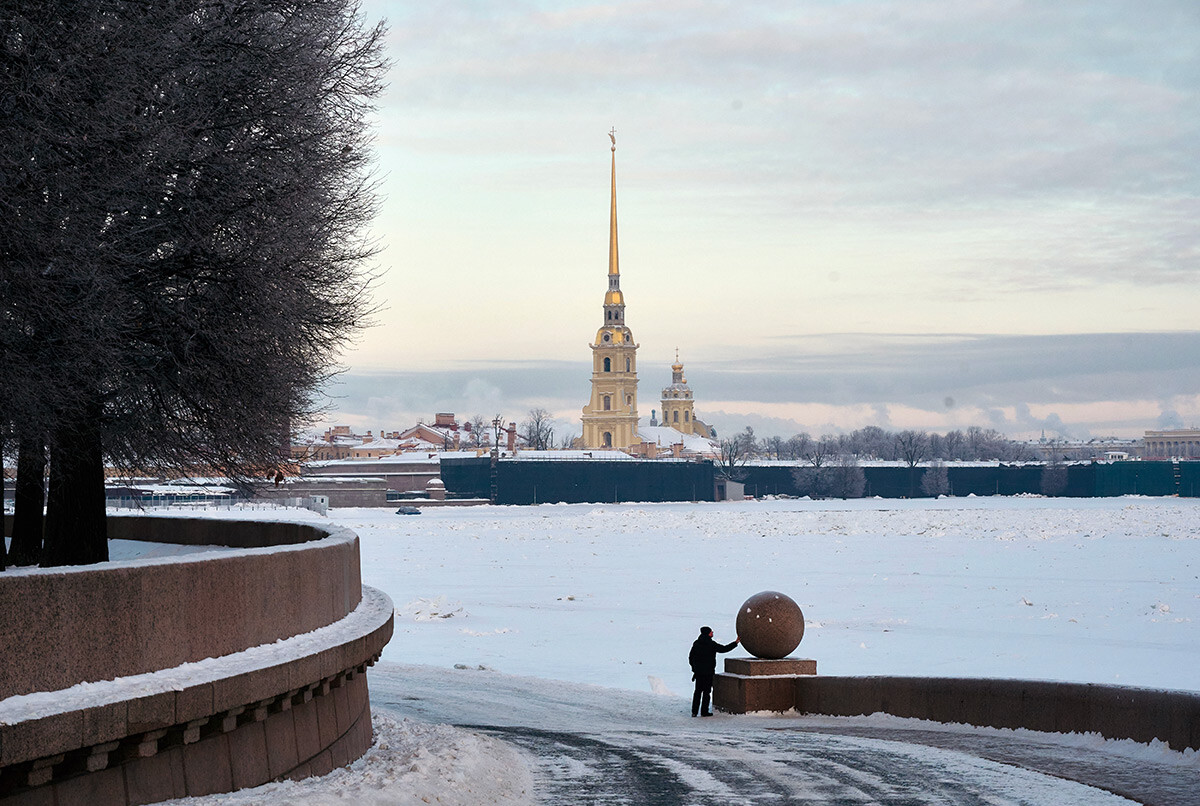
(594, 745)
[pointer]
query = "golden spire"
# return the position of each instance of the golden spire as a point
(613, 264)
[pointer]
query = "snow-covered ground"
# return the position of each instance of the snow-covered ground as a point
(1095, 590)
(1092, 590)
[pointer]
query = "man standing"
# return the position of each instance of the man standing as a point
(703, 659)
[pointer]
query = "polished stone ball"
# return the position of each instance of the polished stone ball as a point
(770, 625)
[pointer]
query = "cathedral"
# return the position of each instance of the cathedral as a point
(610, 419)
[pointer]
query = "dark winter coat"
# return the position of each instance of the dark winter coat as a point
(703, 656)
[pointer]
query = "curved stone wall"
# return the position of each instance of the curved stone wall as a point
(133, 682)
(1115, 712)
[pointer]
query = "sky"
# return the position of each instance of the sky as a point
(907, 214)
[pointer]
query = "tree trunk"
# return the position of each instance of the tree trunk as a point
(29, 502)
(1, 500)
(76, 529)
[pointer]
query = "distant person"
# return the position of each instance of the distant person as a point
(703, 659)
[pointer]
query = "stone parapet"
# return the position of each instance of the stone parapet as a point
(1115, 712)
(86, 623)
(760, 666)
(291, 705)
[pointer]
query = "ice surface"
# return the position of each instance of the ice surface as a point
(1091, 590)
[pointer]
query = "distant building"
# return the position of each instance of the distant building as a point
(678, 406)
(340, 442)
(1178, 444)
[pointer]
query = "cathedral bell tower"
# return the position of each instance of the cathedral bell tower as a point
(610, 419)
(677, 405)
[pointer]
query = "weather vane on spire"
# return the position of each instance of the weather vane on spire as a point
(612, 135)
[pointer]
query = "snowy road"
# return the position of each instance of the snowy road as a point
(593, 745)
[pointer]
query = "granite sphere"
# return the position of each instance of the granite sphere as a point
(770, 625)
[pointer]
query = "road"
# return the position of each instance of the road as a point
(592, 745)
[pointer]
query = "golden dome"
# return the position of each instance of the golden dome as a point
(614, 335)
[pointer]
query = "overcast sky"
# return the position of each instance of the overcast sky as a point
(910, 214)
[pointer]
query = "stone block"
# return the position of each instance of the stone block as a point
(282, 754)
(250, 687)
(98, 757)
(358, 696)
(341, 708)
(739, 694)
(248, 756)
(308, 733)
(340, 751)
(194, 702)
(104, 788)
(322, 764)
(206, 766)
(300, 772)
(303, 671)
(35, 738)
(762, 666)
(151, 713)
(160, 777)
(42, 796)
(326, 720)
(104, 723)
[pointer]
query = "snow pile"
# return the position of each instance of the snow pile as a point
(410, 764)
(429, 609)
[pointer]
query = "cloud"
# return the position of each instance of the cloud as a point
(789, 169)
(1070, 385)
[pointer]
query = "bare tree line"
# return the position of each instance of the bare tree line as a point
(874, 443)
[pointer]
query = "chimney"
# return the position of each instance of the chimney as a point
(512, 436)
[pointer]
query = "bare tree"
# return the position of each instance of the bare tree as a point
(936, 480)
(842, 478)
(820, 451)
(912, 447)
(477, 427)
(1054, 474)
(953, 444)
(732, 457)
(773, 447)
(797, 445)
(183, 185)
(538, 430)
(846, 478)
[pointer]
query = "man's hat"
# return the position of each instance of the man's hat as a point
(705, 630)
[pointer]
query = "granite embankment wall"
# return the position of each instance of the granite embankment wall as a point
(127, 683)
(1115, 712)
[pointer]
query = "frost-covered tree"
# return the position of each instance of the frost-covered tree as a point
(182, 192)
(935, 480)
(846, 478)
(819, 451)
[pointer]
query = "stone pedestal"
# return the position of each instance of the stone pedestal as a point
(755, 684)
